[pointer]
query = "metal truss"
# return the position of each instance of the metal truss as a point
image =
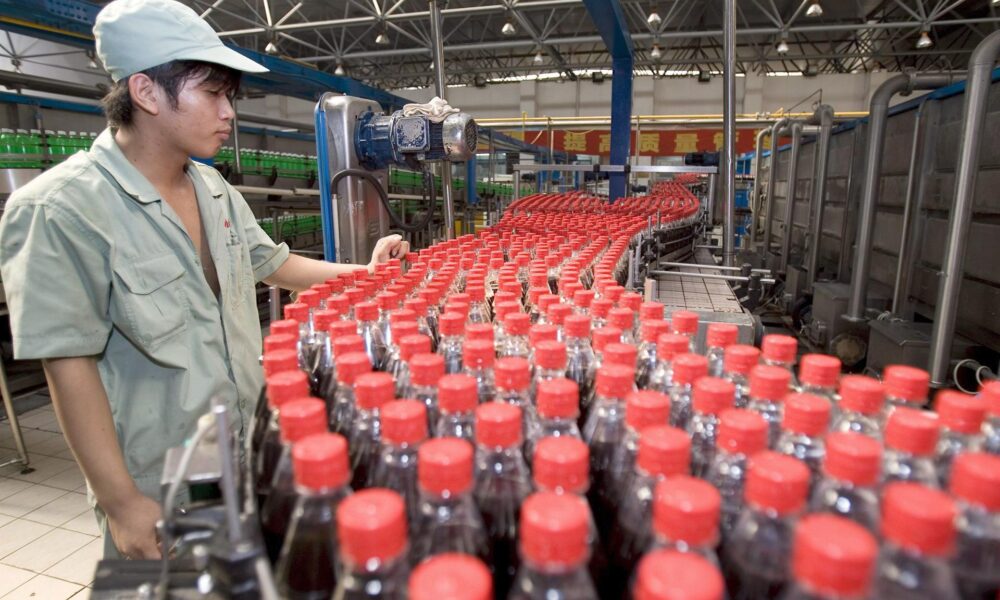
(387, 42)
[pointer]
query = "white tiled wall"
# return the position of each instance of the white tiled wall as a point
(49, 541)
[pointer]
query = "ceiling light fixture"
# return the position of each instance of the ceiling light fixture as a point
(382, 39)
(508, 29)
(783, 44)
(539, 59)
(271, 48)
(654, 19)
(339, 71)
(656, 52)
(924, 41)
(814, 10)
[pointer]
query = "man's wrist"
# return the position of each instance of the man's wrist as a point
(119, 501)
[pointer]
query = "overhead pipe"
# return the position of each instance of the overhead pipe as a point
(441, 91)
(911, 208)
(729, 135)
(976, 94)
(824, 116)
(790, 190)
(755, 195)
(878, 114)
(772, 174)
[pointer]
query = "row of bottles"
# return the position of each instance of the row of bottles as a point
(503, 398)
(266, 162)
(29, 148)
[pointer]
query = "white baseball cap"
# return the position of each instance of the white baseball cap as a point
(135, 35)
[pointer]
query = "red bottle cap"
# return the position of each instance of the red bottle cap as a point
(991, 394)
(780, 348)
(684, 321)
(577, 326)
(323, 318)
(631, 301)
(770, 383)
(688, 368)
(960, 412)
(285, 327)
(478, 354)
(806, 414)
(277, 361)
(541, 332)
(740, 358)
(512, 373)
(561, 464)
(614, 292)
(310, 298)
(455, 306)
(777, 482)
(918, 518)
(672, 575)
(457, 393)
(651, 311)
(686, 509)
(347, 344)
(853, 457)
(834, 556)
(498, 425)
(600, 307)
(402, 315)
(550, 355)
(557, 313)
(621, 354)
(350, 365)
(669, 345)
(451, 577)
(651, 330)
(403, 329)
(645, 408)
(558, 398)
(721, 335)
(909, 383)
(614, 381)
(342, 328)
(417, 305)
(664, 451)
(546, 301)
(373, 390)
(479, 331)
(461, 297)
(366, 311)
(286, 385)
(282, 341)
(606, 335)
(320, 461)
(411, 345)
(622, 318)
(517, 323)
(712, 395)
(452, 323)
(583, 298)
(297, 311)
(975, 478)
(426, 369)
(912, 431)
(861, 394)
(444, 466)
(302, 417)
(403, 422)
(502, 308)
(819, 370)
(741, 432)
(371, 525)
(477, 293)
(387, 301)
(555, 530)
(354, 295)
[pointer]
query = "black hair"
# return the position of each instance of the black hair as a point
(171, 76)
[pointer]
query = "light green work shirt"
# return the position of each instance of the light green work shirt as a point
(96, 263)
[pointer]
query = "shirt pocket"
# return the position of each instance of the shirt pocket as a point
(152, 299)
(241, 282)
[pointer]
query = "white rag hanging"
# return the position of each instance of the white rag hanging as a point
(436, 110)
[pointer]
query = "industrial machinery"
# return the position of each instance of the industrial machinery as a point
(356, 143)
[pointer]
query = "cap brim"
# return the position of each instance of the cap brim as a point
(226, 57)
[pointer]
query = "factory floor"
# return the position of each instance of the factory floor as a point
(49, 541)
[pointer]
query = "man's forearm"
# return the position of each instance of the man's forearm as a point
(299, 272)
(81, 404)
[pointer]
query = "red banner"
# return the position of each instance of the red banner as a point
(651, 143)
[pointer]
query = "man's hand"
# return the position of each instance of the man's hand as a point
(132, 526)
(391, 246)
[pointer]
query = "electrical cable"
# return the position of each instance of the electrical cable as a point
(397, 223)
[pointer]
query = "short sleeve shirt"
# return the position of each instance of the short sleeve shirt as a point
(95, 263)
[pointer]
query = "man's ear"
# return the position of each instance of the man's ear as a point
(145, 94)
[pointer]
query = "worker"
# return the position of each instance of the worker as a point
(130, 269)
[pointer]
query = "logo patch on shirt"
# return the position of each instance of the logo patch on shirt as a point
(225, 223)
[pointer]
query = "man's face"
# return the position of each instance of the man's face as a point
(202, 120)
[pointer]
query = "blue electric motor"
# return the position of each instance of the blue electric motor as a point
(381, 140)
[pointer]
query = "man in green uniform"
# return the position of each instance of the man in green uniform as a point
(130, 269)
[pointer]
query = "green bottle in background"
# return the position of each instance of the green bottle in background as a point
(6, 148)
(34, 146)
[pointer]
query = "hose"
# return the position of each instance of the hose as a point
(979, 368)
(397, 223)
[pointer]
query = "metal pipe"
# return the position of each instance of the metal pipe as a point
(952, 269)
(879, 112)
(729, 134)
(790, 190)
(237, 162)
(441, 90)
(755, 195)
(710, 205)
(909, 211)
(710, 267)
(772, 175)
(764, 280)
(824, 114)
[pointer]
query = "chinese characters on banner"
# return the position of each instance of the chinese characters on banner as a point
(651, 143)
